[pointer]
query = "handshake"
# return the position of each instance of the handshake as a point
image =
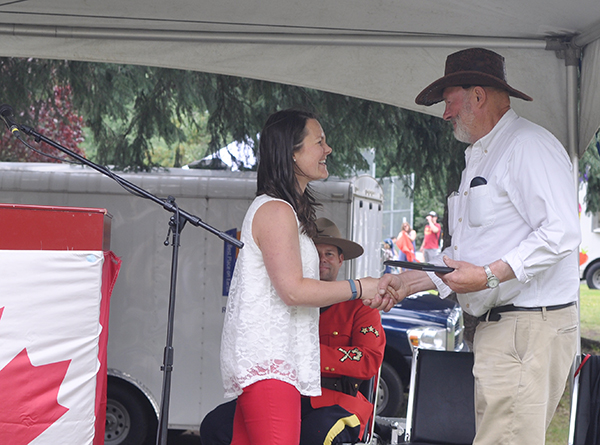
(460, 276)
(383, 293)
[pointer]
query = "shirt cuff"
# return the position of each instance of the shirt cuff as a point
(517, 265)
(442, 288)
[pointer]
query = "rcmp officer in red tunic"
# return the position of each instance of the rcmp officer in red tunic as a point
(352, 348)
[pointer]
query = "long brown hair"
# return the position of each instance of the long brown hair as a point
(280, 138)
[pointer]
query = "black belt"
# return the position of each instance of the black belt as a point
(345, 384)
(494, 313)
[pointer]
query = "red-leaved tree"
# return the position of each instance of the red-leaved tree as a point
(54, 119)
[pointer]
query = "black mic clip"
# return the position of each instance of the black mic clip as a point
(6, 113)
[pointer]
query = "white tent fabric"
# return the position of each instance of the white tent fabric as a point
(590, 95)
(385, 51)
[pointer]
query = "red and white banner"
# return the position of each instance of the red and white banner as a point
(53, 345)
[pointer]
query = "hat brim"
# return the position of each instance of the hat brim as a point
(350, 249)
(432, 94)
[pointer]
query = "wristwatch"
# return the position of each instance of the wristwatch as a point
(492, 280)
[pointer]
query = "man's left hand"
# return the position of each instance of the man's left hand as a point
(465, 278)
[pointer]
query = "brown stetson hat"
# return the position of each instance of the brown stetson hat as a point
(470, 67)
(328, 233)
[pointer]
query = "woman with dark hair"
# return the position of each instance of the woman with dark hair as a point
(282, 135)
(270, 345)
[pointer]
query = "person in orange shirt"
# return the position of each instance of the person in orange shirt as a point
(406, 241)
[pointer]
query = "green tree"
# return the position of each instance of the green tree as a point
(129, 110)
(589, 171)
(141, 117)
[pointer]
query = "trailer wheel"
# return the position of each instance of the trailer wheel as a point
(391, 392)
(129, 419)
(593, 276)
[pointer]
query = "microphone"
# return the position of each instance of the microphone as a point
(6, 113)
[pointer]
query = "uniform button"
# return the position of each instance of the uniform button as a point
(455, 247)
(466, 193)
(468, 305)
(326, 368)
(332, 370)
(459, 219)
(335, 332)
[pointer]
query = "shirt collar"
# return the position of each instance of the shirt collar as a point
(485, 142)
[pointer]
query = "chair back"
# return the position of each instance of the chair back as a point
(441, 398)
(585, 414)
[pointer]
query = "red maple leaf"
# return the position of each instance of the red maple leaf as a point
(29, 398)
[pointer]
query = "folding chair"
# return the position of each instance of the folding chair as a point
(441, 407)
(584, 425)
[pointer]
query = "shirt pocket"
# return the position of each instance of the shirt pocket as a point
(335, 338)
(480, 207)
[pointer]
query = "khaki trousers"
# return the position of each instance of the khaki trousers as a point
(522, 363)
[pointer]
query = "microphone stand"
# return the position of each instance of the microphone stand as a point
(176, 225)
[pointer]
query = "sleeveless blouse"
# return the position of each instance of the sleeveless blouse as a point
(263, 338)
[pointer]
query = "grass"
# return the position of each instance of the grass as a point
(590, 313)
(558, 431)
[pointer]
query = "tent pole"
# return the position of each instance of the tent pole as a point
(587, 36)
(572, 66)
(329, 39)
(572, 55)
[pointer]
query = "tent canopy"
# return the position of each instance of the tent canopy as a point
(384, 50)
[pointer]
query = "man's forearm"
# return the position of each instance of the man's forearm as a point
(416, 281)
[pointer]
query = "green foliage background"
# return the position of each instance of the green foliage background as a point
(140, 117)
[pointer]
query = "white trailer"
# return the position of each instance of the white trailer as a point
(139, 305)
(589, 253)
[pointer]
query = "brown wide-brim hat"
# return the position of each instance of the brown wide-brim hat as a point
(470, 67)
(328, 233)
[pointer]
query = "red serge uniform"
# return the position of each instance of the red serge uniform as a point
(352, 344)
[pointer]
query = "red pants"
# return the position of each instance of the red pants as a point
(267, 413)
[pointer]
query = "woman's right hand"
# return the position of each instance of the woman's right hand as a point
(369, 288)
(373, 298)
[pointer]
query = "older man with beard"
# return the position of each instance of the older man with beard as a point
(515, 237)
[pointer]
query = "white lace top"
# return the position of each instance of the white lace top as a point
(263, 338)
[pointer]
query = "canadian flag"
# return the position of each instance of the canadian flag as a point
(53, 331)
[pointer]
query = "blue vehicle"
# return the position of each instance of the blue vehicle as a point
(422, 320)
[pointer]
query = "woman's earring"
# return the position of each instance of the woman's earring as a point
(294, 159)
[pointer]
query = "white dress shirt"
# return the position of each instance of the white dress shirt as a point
(525, 214)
